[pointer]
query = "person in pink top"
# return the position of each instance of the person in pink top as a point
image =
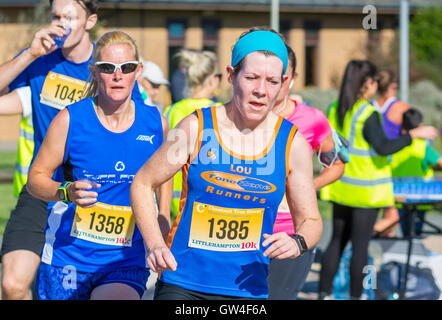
(286, 277)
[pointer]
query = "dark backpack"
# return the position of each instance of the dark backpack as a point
(421, 284)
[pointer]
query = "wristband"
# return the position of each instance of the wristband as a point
(63, 192)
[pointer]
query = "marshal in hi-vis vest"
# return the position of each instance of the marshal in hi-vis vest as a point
(367, 181)
(408, 161)
(24, 154)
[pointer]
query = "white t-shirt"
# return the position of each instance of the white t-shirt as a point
(24, 94)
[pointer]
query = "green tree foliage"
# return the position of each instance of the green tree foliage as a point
(426, 43)
(426, 33)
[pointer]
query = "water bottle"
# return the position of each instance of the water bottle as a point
(59, 41)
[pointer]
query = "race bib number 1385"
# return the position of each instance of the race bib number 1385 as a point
(225, 229)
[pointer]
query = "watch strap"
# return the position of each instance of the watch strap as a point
(63, 189)
(300, 241)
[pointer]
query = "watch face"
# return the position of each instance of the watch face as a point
(61, 195)
(304, 245)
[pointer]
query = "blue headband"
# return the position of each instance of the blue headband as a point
(259, 40)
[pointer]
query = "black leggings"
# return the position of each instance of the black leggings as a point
(167, 291)
(355, 224)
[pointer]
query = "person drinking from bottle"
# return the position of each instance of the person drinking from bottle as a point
(56, 77)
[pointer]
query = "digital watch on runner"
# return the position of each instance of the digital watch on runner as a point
(301, 243)
(63, 193)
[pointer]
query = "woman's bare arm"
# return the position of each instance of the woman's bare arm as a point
(161, 167)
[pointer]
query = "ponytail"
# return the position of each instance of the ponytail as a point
(352, 88)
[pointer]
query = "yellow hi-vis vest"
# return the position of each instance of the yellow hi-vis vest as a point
(24, 154)
(367, 181)
(174, 114)
(408, 161)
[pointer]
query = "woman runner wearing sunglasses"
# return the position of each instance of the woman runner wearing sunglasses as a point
(93, 248)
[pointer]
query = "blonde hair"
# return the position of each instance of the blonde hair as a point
(386, 78)
(109, 38)
(199, 65)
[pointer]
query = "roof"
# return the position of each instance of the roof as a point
(305, 3)
(320, 5)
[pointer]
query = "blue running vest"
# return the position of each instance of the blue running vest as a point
(228, 202)
(104, 236)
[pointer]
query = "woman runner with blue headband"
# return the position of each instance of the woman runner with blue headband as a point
(237, 160)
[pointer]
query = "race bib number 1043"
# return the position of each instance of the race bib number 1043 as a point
(60, 91)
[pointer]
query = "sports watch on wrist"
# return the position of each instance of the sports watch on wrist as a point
(63, 193)
(302, 245)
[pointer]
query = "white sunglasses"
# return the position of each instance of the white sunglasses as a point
(110, 67)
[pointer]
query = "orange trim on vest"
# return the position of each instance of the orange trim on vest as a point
(200, 134)
(183, 199)
(288, 148)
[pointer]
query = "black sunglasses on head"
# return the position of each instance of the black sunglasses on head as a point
(110, 67)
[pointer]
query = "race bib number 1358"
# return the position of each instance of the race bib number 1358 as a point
(104, 223)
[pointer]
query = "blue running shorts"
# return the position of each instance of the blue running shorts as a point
(65, 283)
